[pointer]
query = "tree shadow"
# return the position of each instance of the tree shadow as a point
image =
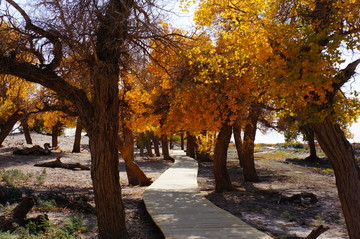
(7, 159)
(321, 163)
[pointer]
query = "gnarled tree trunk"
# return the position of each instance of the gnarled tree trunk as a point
(222, 179)
(102, 129)
(339, 151)
(54, 135)
(248, 146)
(155, 140)
(126, 146)
(238, 142)
(26, 130)
(77, 141)
(9, 124)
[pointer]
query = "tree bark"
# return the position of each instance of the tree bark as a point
(9, 124)
(182, 141)
(126, 146)
(148, 146)
(238, 142)
(155, 140)
(103, 136)
(54, 135)
(141, 144)
(171, 143)
(248, 146)
(222, 179)
(190, 145)
(340, 153)
(310, 137)
(26, 130)
(165, 148)
(77, 141)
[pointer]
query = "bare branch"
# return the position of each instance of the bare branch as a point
(52, 36)
(345, 74)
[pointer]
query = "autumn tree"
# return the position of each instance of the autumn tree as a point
(18, 99)
(96, 39)
(296, 47)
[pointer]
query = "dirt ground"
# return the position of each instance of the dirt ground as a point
(259, 204)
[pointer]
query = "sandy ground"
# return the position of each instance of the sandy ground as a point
(73, 183)
(256, 203)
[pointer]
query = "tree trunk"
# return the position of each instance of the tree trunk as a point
(171, 142)
(126, 146)
(165, 147)
(25, 127)
(77, 141)
(182, 141)
(310, 137)
(102, 129)
(249, 170)
(340, 153)
(9, 124)
(190, 145)
(141, 144)
(148, 146)
(54, 135)
(222, 179)
(155, 140)
(238, 142)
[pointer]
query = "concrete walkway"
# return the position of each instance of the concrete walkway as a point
(176, 206)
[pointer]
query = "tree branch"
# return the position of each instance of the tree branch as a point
(345, 74)
(46, 78)
(53, 36)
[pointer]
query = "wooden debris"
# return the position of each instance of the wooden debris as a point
(317, 232)
(58, 164)
(18, 216)
(35, 150)
(302, 199)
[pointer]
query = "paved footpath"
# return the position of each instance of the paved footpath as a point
(176, 206)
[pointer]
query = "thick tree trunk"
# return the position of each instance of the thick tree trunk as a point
(222, 179)
(126, 146)
(340, 153)
(54, 135)
(26, 130)
(9, 124)
(238, 142)
(190, 145)
(103, 136)
(77, 141)
(248, 146)
(155, 140)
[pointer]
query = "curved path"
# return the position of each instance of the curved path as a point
(176, 206)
